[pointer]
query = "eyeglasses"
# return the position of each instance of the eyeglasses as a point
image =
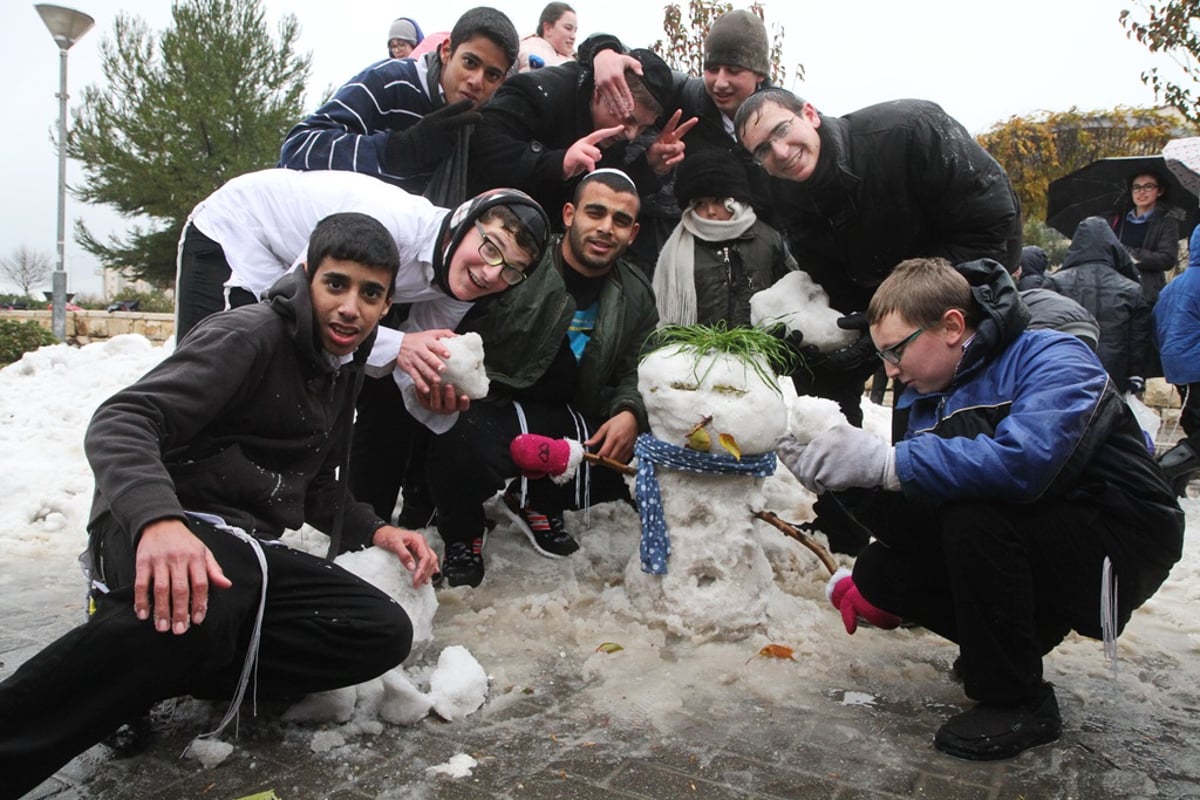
(493, 257)
(893, 354)
(767, 147)
(1144, 187)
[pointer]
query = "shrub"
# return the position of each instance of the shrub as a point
(18, 338)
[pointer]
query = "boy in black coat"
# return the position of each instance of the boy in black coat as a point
(200, 466)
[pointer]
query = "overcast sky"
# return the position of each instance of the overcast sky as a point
(984, 62)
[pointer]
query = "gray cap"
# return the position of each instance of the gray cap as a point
(738, 39)
(404, 30)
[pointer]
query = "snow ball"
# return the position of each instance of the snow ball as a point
(324, 741)
(403, 703)
(799, 302)
(209, 752)
(809, 417)
(382, 569)
(464, 367)
(458, 685)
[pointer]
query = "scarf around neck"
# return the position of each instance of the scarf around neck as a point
(674, 275)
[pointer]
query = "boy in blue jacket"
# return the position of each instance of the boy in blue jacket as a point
(1020, 504)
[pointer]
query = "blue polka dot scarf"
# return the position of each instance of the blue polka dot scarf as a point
(656, 546)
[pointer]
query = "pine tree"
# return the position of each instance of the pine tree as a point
(209, 98)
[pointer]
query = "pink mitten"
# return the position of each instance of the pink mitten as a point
(540, 456)
(845, 597)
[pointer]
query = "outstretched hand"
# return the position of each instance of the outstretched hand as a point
(582, 156)
(173, 573)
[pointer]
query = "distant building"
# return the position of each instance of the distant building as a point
(118, 281)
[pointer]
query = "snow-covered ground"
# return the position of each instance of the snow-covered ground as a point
(534, 617)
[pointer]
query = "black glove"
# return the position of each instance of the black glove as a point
(423, 146)
(857, 354)
(802, 355)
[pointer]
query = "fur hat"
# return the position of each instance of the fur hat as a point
(738, 39)
(711, 173)
(405, 30)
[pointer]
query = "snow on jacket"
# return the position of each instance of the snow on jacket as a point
(896, 180)
(1098, 274)
(527, 128)
(247, 419)
(350, 131)
(1159, 253)
(1032, 414)
(1177, 321)
(528, 325)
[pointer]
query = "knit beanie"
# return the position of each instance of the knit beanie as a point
(711, 173)
(456, 225)
(738, 39)
(405, 30)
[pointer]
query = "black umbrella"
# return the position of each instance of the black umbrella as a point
(1101, 188)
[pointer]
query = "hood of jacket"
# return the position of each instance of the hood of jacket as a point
(1004, 316)
(1095, 243)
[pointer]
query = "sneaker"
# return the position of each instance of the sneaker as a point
(418, 510)
(992, 731)
(463, 564)
(546, 532)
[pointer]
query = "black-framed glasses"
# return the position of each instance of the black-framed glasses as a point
(494, 257)
(767, 146)
(1144, 187)
(893, 354)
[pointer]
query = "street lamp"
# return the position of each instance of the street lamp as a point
(66, 25)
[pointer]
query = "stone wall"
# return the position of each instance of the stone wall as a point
(84, 327)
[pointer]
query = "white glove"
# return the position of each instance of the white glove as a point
(843, 457)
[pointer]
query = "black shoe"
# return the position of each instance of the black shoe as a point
(130, 739)
(1178, 465)
(418, 510)
(546, 532)
(991, 731)
(463, 564)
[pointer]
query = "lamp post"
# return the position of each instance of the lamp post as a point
(66, 25)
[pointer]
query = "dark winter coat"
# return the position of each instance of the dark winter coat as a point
(727, 274)
(896, 180)
(1177, 321)
(1159, 253)
(527, 128)
(1033, 415)
(1049, 309)
(526, 326)
(248, 419)
(1098, 274)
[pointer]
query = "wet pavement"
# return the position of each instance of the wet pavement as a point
(553, 739)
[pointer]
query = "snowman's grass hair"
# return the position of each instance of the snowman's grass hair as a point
(762, 351)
